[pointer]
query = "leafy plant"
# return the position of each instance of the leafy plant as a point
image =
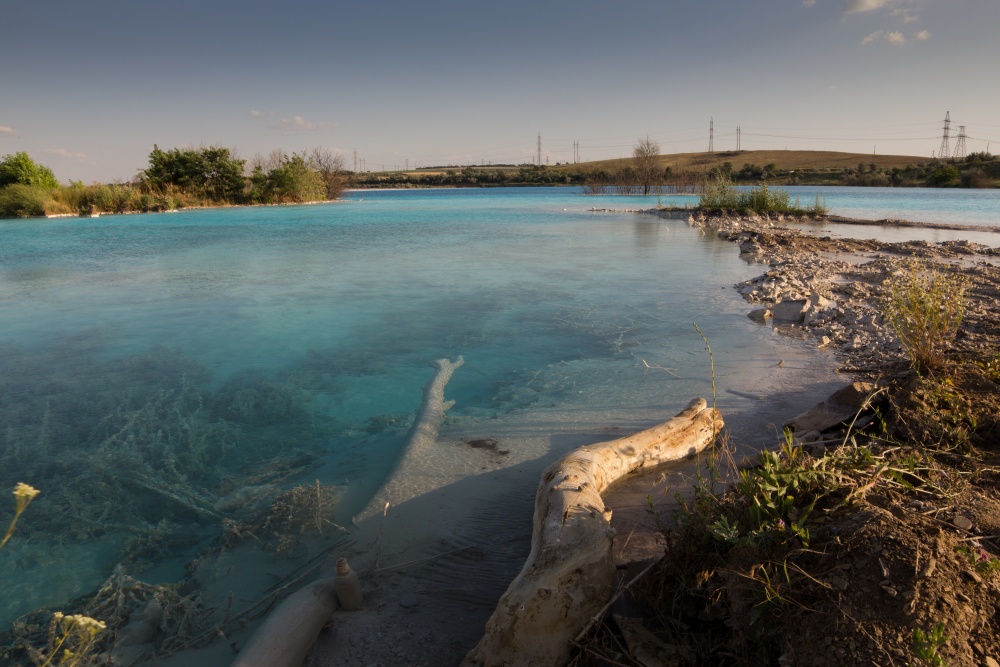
(926, 645)
(772, 490)
(981, 560)
(925, 308)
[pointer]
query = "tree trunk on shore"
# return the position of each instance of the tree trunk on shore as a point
(569, 574)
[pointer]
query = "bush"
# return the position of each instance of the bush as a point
(944, 176)
(23, 201)
(925, 309)
(721, 195)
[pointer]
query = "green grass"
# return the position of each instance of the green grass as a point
(721, 195)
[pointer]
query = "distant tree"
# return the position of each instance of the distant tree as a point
(206, 172)
(945, 175)
(646, 158)
(330, 167)
(293, 181)
(20, 169)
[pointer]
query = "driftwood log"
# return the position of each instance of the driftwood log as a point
(290, 630)
(423, 434)
(569, 573)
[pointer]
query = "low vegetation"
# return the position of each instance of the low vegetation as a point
(722, 196)
(925, 308)
(177, 178)
(873, 542)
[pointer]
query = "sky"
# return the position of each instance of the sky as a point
(87, 88)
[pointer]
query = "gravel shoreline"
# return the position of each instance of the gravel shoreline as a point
(829, 290)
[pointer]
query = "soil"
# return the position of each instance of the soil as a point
(903, 541)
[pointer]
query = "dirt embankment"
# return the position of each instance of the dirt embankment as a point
(873, 539)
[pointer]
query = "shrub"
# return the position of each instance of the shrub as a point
(23, 201)
(925, 309)
(944, 176)
(721, 195)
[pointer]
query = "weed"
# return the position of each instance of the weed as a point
(72, 637)
(980, 559)
(925, 308)
(926, 645)
(23, 495)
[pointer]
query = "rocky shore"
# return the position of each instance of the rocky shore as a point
(879, 541)
(830, 290)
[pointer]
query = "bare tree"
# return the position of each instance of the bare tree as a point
(330, 167)
(646, 155)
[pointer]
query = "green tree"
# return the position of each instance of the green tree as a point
(292, 181)
(19, 168)
(210, 172)
(945, 175)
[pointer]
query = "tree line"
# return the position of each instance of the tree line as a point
(176, 178)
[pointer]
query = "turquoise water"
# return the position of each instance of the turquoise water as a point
(153, 366)
(961, 206)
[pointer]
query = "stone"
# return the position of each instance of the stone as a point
(990, 661)
(962, 522)
(789, 311)
(760, 315)
(839, 583)
(840, 407)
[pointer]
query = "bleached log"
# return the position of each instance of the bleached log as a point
(289, 632)
(569, 573)
(423, 434)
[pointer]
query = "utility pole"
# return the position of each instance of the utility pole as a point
(945, 151)
(737, 138)
(407, 164)
(539, 162)
(711, 135)
(355, 160)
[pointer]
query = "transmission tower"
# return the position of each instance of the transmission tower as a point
(737, 138)
(960, 144)
(539, 163)
(945, 151)
(711, 135)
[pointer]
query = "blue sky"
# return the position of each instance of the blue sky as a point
(88, 88)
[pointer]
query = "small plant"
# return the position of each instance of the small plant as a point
(925, 309)
(23, 495)
(926, 645)
(72, 638)
(981, 560)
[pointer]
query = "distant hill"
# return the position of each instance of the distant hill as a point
(691, 170)
(782, 160)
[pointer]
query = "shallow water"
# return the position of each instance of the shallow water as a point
(149, 361)
(933, 205)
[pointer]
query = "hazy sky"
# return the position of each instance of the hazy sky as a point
(87, 88)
